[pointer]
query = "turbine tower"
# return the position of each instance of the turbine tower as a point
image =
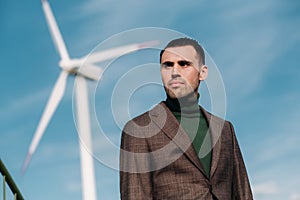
(88, 70)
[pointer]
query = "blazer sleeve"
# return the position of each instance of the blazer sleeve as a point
(241, 186)
(135, 178)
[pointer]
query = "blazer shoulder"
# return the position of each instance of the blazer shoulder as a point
(208, 115)
(214, 120)
(143, 119)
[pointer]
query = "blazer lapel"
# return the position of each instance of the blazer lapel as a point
(164, 118)
(215, 127)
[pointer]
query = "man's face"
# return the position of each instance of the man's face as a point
(181, 72)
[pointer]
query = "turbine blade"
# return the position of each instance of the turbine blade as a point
(118, 51)
(54, 30)
(90, 71)
(55, 98)
(26, 162)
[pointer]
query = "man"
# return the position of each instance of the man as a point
(177, 150)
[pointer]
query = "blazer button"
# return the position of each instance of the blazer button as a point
(210, 187)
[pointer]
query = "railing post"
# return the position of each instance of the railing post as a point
(4, 188)
(10, 182)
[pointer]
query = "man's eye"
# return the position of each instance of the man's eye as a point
(168, 64)
(184, 63)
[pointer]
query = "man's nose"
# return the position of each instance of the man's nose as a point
(175, 70)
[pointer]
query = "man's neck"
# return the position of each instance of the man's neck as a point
(186, 104)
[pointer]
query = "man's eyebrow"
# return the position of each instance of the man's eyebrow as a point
(185, 62)
(168, 63)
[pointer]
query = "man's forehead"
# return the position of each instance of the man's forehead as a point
(181, 52)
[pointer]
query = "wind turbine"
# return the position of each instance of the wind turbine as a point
(87, 70)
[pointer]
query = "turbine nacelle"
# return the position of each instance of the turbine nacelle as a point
(78, 67)
(70, 65)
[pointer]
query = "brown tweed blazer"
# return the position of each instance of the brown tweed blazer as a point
(157, 160)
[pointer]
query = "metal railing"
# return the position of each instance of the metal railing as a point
(7, 179)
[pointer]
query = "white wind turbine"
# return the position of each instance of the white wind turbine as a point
(90, 71)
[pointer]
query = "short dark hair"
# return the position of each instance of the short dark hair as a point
(185, 42)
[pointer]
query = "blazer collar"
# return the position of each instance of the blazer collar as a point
(166, 121)
(215, 127)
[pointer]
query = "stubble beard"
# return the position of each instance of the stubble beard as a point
(177, 93)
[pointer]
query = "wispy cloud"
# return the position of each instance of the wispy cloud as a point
(295, 196)
(25, 104)
(55, 152)
(113, 18)
(250, 44)
(73, 186)
(266, 188)
(274, 158)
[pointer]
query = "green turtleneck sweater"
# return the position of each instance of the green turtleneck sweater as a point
(187, 112)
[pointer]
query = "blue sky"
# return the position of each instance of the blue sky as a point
(255, 45)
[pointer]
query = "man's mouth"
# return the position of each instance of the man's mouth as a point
(175, 83)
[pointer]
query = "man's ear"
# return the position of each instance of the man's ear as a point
(203, 73)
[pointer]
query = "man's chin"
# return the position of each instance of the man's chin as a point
(175, 94)
(179, 93)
